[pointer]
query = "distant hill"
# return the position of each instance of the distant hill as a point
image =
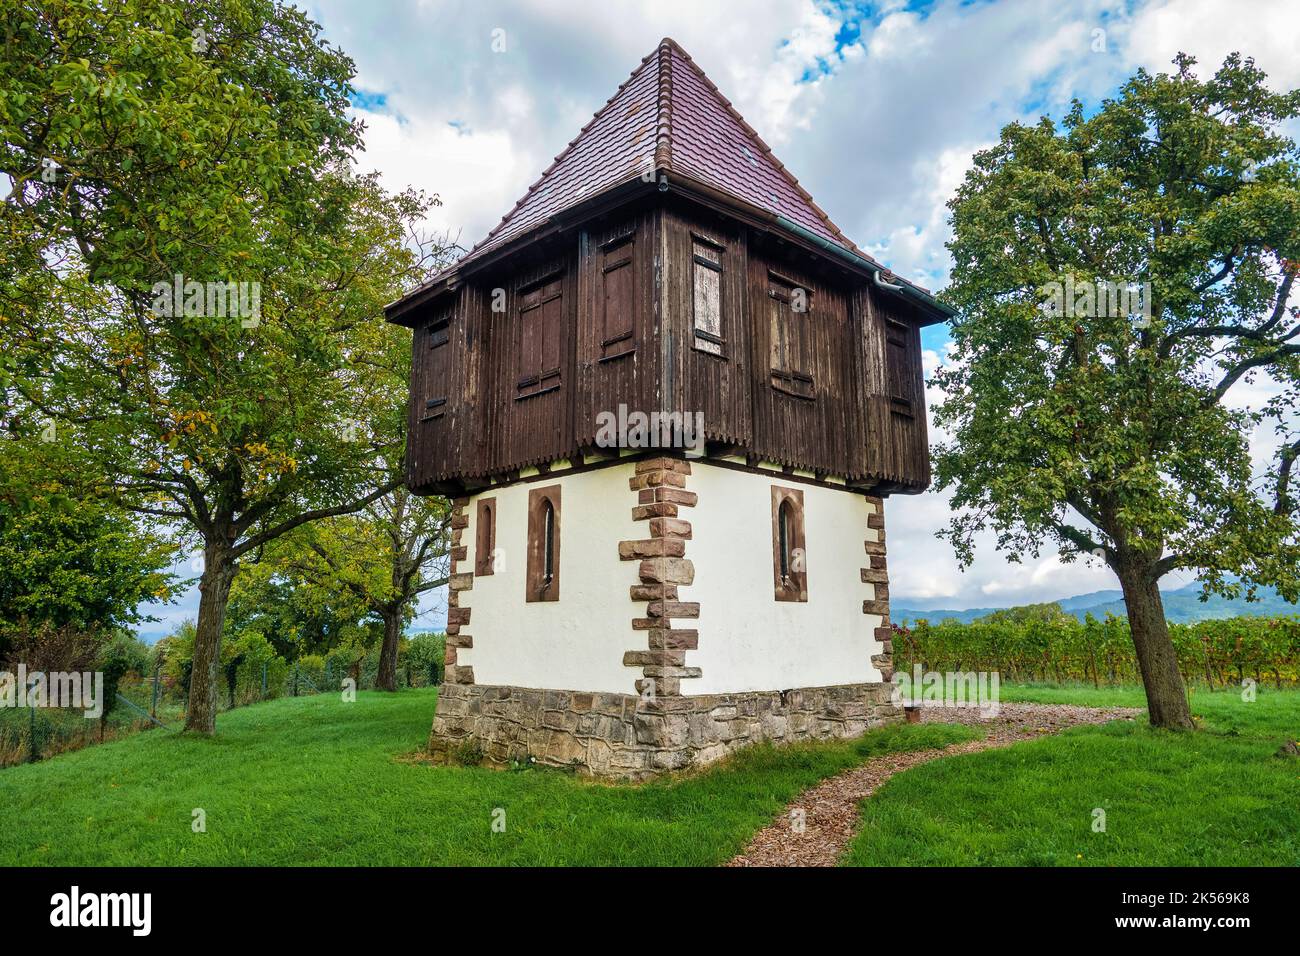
(1182, 606)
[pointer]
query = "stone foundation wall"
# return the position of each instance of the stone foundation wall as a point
(625, 736)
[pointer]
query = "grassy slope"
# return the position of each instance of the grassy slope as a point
(314, 781)
(1217, 797)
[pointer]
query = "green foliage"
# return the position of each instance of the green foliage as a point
(1060, 647)
(424, 654)
(255, 655)
(67, 560)
(292, 619)
(1117, 419)
(388, 553)
(130, 651)
(114, 664)
(373, 565)
(311, 667)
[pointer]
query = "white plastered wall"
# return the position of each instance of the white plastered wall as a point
(749, 640)
(577, 642)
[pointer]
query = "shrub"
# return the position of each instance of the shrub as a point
(424, 654)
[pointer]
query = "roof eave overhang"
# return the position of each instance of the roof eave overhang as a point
(404, 310)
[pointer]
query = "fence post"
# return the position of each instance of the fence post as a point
(153, 709)
(295, 680)
(35, 751)
(328, 672)
(264, 680)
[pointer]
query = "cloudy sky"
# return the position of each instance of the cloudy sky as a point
(877, 108)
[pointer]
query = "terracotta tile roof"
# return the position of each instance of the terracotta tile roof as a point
(667, 116)
(710, 141)
(617, 145)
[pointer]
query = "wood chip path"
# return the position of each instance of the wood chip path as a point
(831, 809)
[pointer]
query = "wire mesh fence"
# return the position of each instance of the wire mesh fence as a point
(158, 701)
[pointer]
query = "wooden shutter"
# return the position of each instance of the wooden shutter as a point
(706, 266)
(898, 368)
(618, 301)
(541, 314)
(438, 365)
(790, 307)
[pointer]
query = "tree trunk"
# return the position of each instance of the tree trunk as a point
(214, 594)
(386, 679)
(1157, 662)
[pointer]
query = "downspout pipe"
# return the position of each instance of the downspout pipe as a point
(924, 299)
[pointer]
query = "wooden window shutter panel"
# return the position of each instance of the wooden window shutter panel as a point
(618, 298)
(706, 281)
(791, 336)
(437, 364)
(541, 325)
(898, 368)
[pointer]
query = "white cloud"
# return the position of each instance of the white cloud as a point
(1211, 29)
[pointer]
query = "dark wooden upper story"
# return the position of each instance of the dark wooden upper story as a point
(662, 292)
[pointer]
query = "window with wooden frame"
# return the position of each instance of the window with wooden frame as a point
(543, 575)
(898, 367)
(706, 282)
(485, 536)
(618, 298)
(789, 558)
(437, 366)
(541, 321)
(790, 305)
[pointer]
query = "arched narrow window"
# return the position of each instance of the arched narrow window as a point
(543, 577)
(485, 537)
(789, 559)
(548, 543)
(783, 539)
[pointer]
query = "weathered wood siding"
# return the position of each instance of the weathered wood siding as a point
(617, 336)
(714, 383)
(893, 390)
(807, 406)
(789, 357)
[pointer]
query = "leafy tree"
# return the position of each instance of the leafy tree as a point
(424, 655)
(1091, 424)
(1026, 613)
(383, 558)
(293, 620)
(151, 144)
(68, 560)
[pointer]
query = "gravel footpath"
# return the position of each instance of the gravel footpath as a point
(831, 809)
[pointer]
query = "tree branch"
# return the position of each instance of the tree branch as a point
(430, 585)
(1286, 459)
(1241, 368)
(285, 526)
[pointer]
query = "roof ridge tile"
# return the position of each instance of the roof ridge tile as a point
(689, 128)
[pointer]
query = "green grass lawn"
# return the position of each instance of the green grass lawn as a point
(1219, 797)
(312, 780)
